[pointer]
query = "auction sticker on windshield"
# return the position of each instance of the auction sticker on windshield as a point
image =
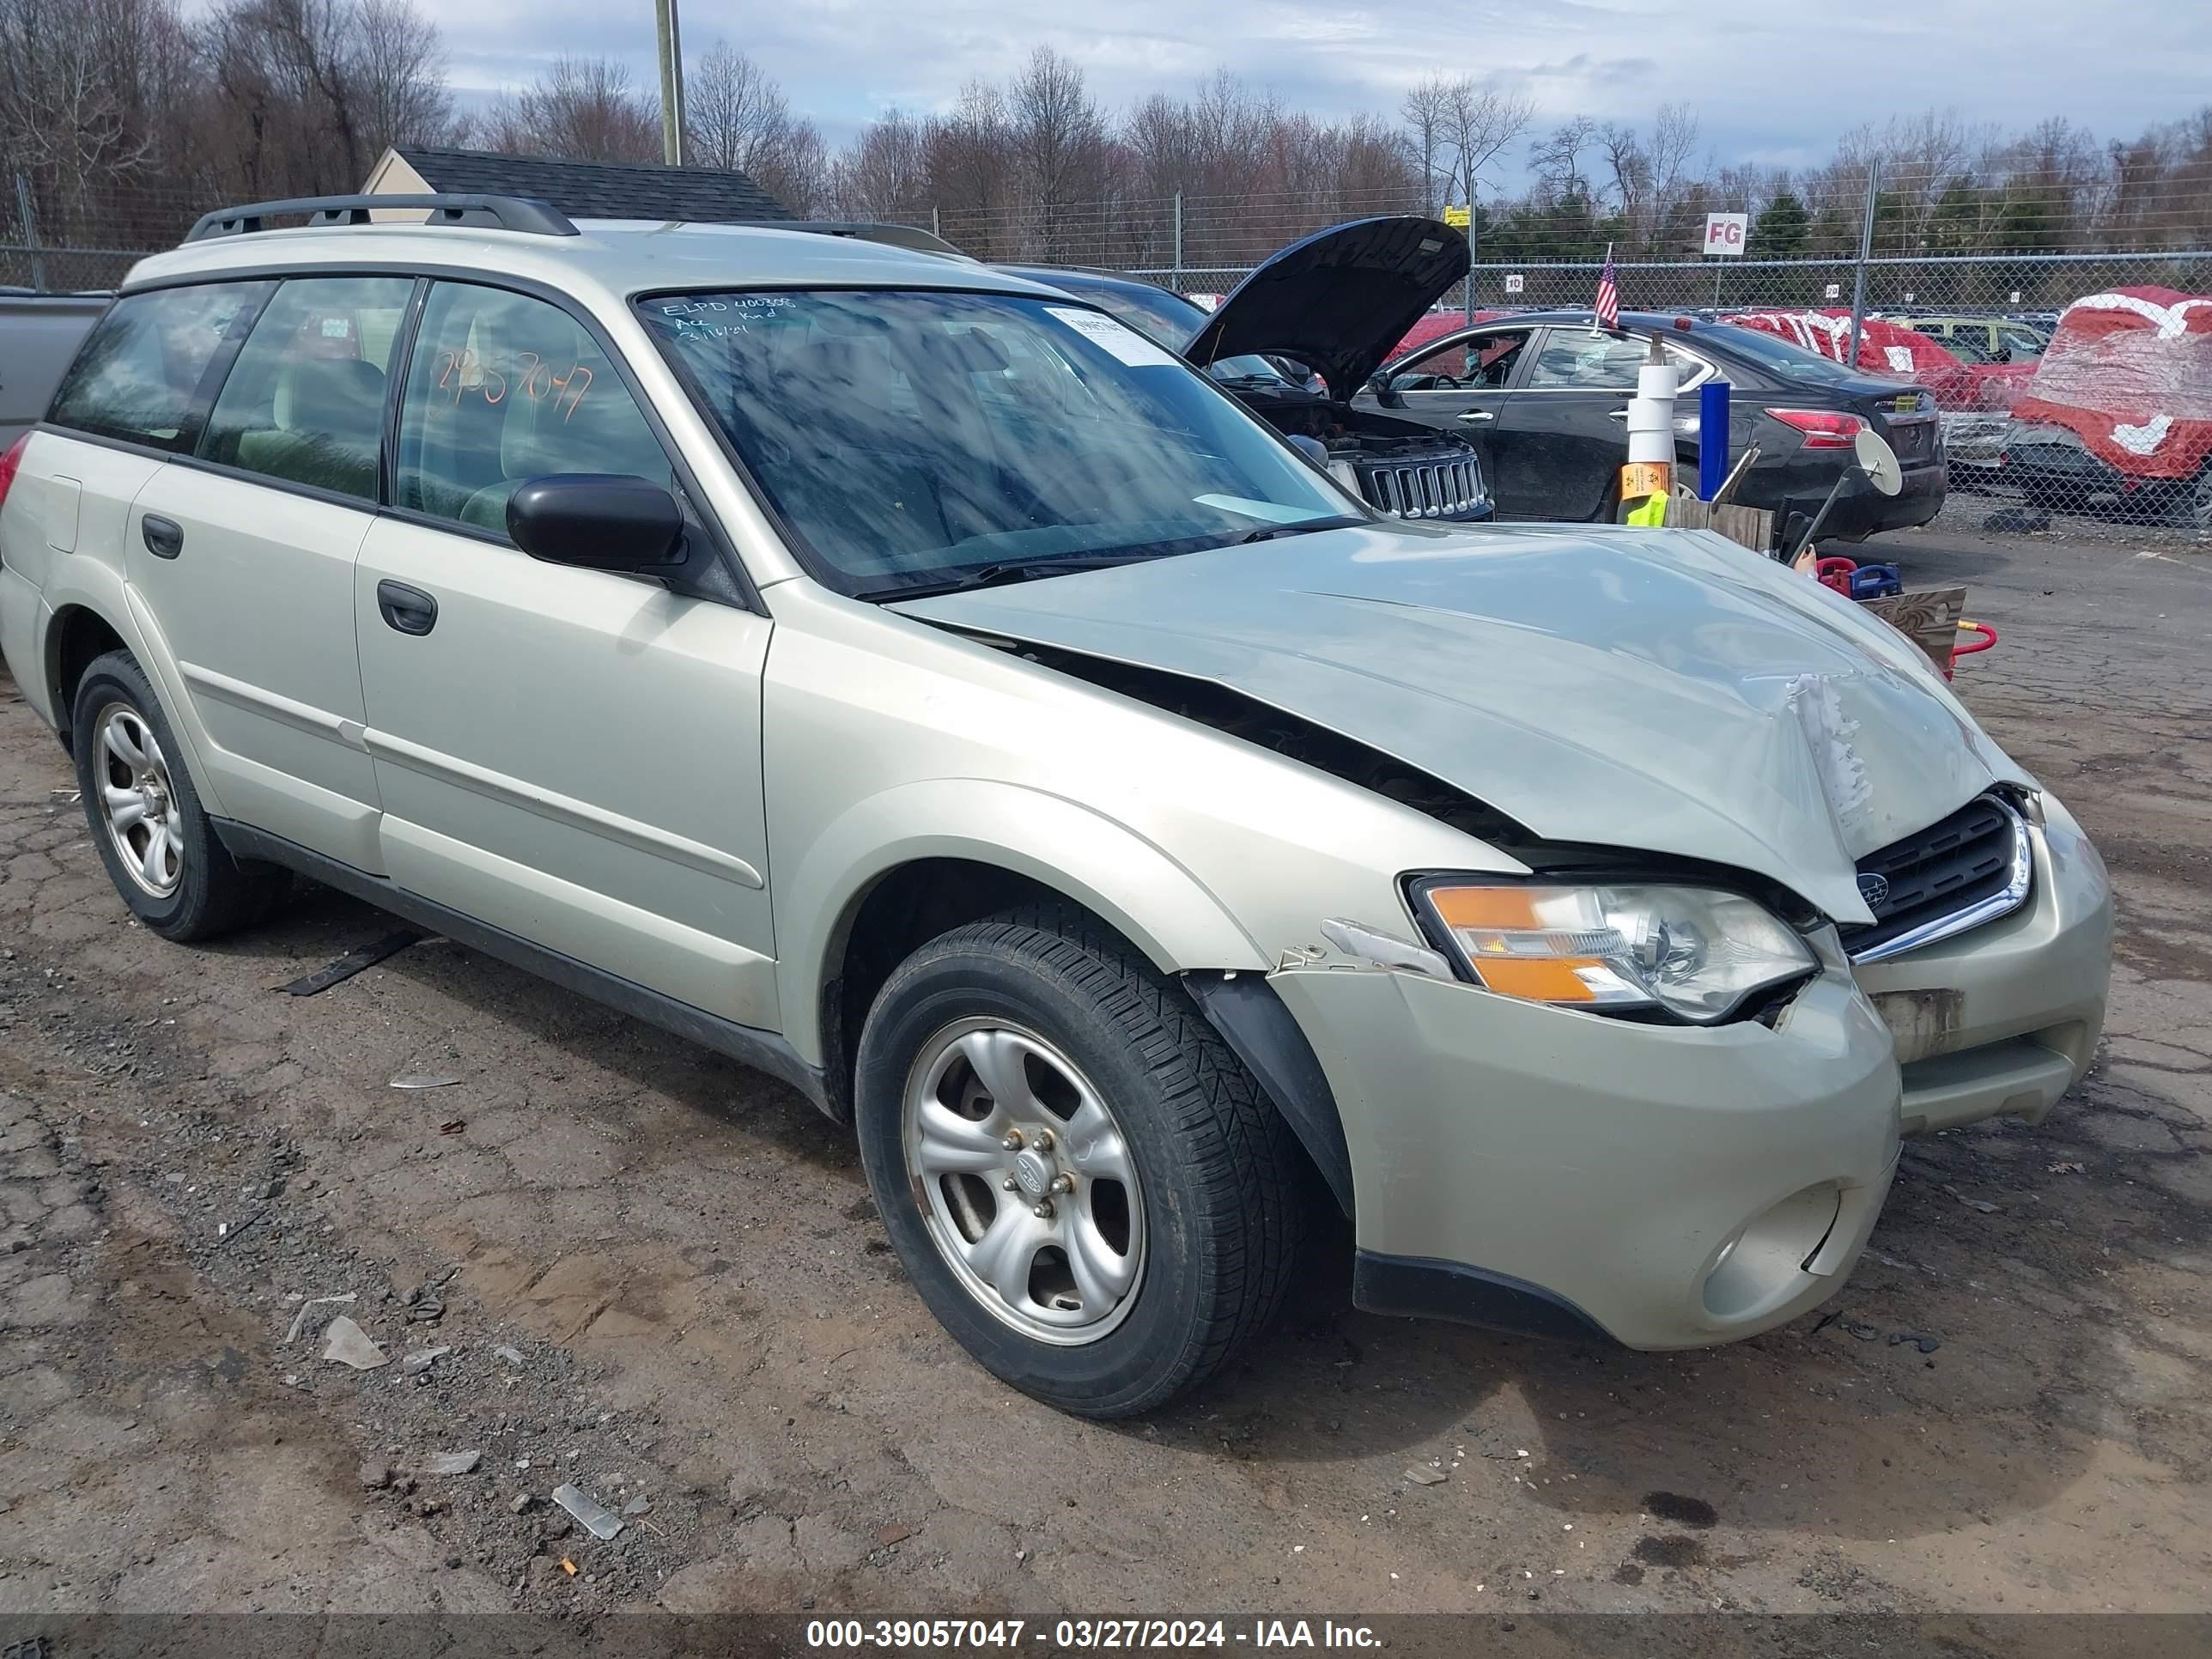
(1125, 343)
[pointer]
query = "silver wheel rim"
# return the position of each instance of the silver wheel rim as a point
(136, 802)
(1025, 1182)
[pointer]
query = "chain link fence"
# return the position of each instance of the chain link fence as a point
(2100, 425)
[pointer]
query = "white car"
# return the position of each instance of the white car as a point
(912, 681)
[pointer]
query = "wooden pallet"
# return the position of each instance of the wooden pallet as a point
(1929, 617)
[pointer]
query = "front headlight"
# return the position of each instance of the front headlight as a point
(1696, 953)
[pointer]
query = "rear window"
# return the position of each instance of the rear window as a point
(138, 376)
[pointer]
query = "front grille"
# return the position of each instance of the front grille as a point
(1424, 490)
(1968, 858)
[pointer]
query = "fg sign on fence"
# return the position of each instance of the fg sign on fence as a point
(1724, 233)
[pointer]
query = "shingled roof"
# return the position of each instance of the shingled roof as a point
(598, 190)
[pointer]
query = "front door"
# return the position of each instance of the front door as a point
(571, 756)
(246, 559)
(1463, 386)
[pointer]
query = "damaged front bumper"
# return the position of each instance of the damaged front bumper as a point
(1668, 1187)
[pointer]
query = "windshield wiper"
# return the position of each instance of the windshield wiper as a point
(997, 576)
(1267, 532)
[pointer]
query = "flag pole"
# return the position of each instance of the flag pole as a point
(1595, 333)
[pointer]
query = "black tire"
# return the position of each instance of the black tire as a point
(214, 893)
(1225, 1187)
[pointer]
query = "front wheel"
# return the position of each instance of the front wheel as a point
(1084, 1183)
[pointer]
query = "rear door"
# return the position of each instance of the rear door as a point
(1463, 386)
(571, 756)
(244, 555)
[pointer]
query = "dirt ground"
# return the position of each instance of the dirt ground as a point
(658, 1276)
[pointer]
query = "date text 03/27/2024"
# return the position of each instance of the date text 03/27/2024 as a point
(1083, 1635)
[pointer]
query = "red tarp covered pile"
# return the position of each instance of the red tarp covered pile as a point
(2130, 374)
(1887, 348)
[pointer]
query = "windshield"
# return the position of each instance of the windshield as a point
(1167, 318)
(907, 438)
(1783, 358)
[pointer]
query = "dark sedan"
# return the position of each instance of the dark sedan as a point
(1545, 400)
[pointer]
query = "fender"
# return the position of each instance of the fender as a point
(1157, 904)
(80, 583)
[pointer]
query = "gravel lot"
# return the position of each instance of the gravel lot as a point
(657, 1277)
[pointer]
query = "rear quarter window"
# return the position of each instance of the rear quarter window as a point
(139, 375)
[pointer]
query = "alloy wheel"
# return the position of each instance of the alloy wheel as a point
(1027, 1186)
(136, 801)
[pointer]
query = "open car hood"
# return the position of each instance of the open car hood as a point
(1659, 690)
(1340, 300)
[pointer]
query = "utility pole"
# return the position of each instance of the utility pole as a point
(671, 44)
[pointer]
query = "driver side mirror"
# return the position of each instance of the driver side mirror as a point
(1385, 393)
(598, 520)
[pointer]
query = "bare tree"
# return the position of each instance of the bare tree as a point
(1558, 158)
(733, 113)
(885, 174)
(1478, 123)
(1422, 114)
(581, 109)
(399, 66)
(80, 110)
(1060, 142)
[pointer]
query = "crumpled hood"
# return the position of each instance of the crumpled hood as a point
(1664, 690)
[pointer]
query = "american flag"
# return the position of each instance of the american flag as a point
(1608, 297)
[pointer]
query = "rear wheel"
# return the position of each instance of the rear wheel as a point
(1083, 1182)
(160, 851)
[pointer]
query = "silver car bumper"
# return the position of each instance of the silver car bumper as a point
(1674, 1187)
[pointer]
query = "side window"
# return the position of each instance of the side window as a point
(1573, 360)
(1444, 369)
(501, 389)
(305, 400)
(138, 373)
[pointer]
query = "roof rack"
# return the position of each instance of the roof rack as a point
(522, 213)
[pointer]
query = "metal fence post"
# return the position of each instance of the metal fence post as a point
(935, 228)
(1178, 241)
(1470, 255)
(1866, 253)
(30, 224)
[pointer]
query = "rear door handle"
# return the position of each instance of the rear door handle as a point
(409, 610)
(164, 537)
(1475, 416)
(1616, 414)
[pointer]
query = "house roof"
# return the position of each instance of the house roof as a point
(599, 189)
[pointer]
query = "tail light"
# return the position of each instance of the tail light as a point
(9, 463)
(1823, 429)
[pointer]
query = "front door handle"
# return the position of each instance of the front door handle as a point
(1475, 416)
(164, 537)
(409, 610)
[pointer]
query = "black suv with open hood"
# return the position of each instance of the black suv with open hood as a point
(1336, 302)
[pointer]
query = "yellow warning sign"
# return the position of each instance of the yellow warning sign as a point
(1456, 217)
(1640, 479)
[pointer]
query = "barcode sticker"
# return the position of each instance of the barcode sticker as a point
(1125, 343)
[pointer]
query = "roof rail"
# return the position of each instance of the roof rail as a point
(523, 213)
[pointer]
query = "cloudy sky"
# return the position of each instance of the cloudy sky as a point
(1774, 81)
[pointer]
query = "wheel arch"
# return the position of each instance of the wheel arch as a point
(77, 636)
(932, 855)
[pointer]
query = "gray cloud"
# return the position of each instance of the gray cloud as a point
(1772, 79)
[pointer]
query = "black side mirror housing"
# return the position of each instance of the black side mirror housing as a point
(1378, 383)
(598, 520)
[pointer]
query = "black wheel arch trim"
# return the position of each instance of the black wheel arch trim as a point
(764, 1051)
(1263, 1033)
(1425, 1287)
